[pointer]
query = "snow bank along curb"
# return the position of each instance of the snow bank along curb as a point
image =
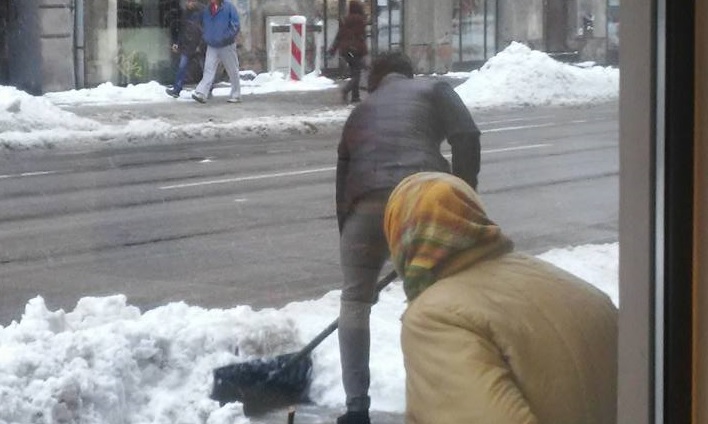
(92, 134)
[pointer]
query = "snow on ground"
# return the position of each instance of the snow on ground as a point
(107, 362)
(28, 122)
(519, 76)
(251, 83)
(23, 113)
(515, 77)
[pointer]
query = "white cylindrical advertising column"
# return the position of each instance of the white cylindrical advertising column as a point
(297, 47)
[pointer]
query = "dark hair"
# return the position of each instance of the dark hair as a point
(387, 63)
(356, 7)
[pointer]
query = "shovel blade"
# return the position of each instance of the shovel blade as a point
(263, 384)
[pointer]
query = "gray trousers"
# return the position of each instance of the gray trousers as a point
(229, 58)
(363, 252)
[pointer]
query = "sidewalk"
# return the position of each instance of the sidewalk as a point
(103, 122)
(187, 111)
(163, 120)
(281, 111)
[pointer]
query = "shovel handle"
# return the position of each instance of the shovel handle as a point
(333, 326)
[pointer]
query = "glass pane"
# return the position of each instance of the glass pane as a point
(613, 23)
(382, 24)
(331, 22)
(143, 38)
(472, 29)
(220, 205)
(395, 23)
(491, 23)
(388, 21)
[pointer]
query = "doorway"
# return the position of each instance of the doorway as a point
(556, 26)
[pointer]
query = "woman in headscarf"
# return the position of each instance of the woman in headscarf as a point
(492, 335)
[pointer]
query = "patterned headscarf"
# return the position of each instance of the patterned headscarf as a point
(436, 226)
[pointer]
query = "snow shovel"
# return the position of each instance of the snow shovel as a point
(266, 383)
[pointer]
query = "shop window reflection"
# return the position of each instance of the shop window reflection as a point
(473, 31)
(144, 28)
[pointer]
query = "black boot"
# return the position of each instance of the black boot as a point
(354, 417)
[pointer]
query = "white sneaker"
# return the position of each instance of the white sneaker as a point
(234, 100)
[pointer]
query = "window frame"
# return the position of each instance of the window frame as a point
(656, 212)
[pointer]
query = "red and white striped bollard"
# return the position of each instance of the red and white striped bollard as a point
(297, 47)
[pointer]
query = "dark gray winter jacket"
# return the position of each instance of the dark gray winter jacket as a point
(398, 131)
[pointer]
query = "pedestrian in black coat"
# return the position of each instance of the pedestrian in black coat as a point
(350, 42)
(187, 41)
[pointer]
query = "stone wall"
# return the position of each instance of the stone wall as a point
(520, 21)
(101, 38)
(39, 41)
(56, 18)
(430, 44)
(23, 39)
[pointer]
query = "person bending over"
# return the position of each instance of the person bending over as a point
(396, 131)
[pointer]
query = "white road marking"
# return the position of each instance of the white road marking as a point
(316, 170)
(250, 178)
(508, 149)
(500, 121)
(511, 149)
(28, 174)
(520, 127)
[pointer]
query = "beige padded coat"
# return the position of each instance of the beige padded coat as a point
(511, 340)
(490, 335)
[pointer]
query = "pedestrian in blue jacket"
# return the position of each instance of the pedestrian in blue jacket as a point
(220, 26)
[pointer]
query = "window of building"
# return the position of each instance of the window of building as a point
(389, 29)
(144, 37)
(613, 38)
(474, 30)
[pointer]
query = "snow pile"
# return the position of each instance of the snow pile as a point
(270, 82)
(107, 93)
(21, 113)
(158, 131)
(105, 362)
(602, 273)
(519, 76)
(28, 122)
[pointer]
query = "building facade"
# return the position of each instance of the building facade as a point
(37, 44)
(51, 45)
